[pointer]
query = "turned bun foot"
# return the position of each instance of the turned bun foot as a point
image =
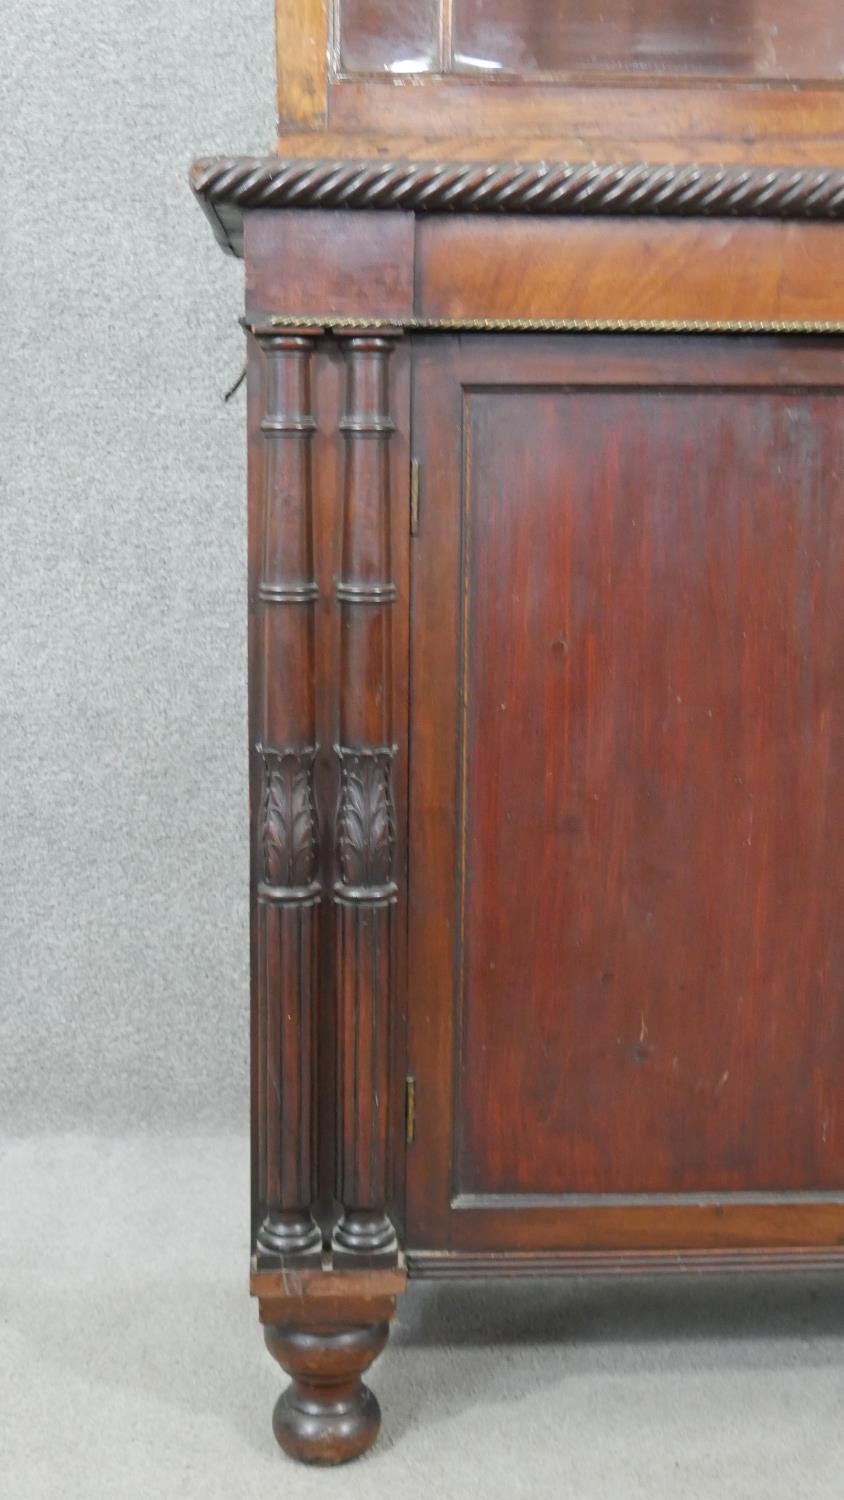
(327, 1415)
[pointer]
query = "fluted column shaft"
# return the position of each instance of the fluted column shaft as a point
(366, 892)
(285, 831)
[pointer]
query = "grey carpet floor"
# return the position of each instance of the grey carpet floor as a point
(131, 1366)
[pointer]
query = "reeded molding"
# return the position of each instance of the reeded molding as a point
(226, 185)
(471, 1265)
(365, 893)
(285, 830)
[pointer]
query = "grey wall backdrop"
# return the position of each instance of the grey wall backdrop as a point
(123, 848)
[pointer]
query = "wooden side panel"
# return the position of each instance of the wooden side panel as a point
(599, 269)
(626, 1016)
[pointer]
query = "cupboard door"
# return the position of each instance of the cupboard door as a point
(626, 999)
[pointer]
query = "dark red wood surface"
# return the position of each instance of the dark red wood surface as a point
(628, 688)
(597, 269)
(335, 263)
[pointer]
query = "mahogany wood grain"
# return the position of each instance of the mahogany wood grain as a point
(352, 1306)
(425, 142)
(700, 119)
(651, 558)
(470, 267)
(302, 31)
(325, 1329)
(325, 1284)
(329, 262)
(740, 1227)
(327, 1415)
(590, 268)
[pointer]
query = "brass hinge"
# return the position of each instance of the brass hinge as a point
(414, 497)
(409, 1109)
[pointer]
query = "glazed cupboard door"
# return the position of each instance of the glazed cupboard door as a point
(626, 943)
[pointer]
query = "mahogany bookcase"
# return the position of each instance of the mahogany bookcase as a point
(545, 323)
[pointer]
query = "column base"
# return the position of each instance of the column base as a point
(364, 1238)
(289, 1239)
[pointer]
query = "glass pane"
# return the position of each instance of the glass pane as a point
(760, 38)
(379, 35)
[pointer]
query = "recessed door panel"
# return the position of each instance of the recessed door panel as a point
(627, 789)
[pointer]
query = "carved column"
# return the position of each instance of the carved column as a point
(365, 893)
(285, 834)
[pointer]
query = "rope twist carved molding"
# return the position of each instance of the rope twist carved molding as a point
(518, 187)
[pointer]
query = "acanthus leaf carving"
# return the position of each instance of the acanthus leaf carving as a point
(289, 829)
(366, 831)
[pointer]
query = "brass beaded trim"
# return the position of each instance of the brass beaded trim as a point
(543, 325)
